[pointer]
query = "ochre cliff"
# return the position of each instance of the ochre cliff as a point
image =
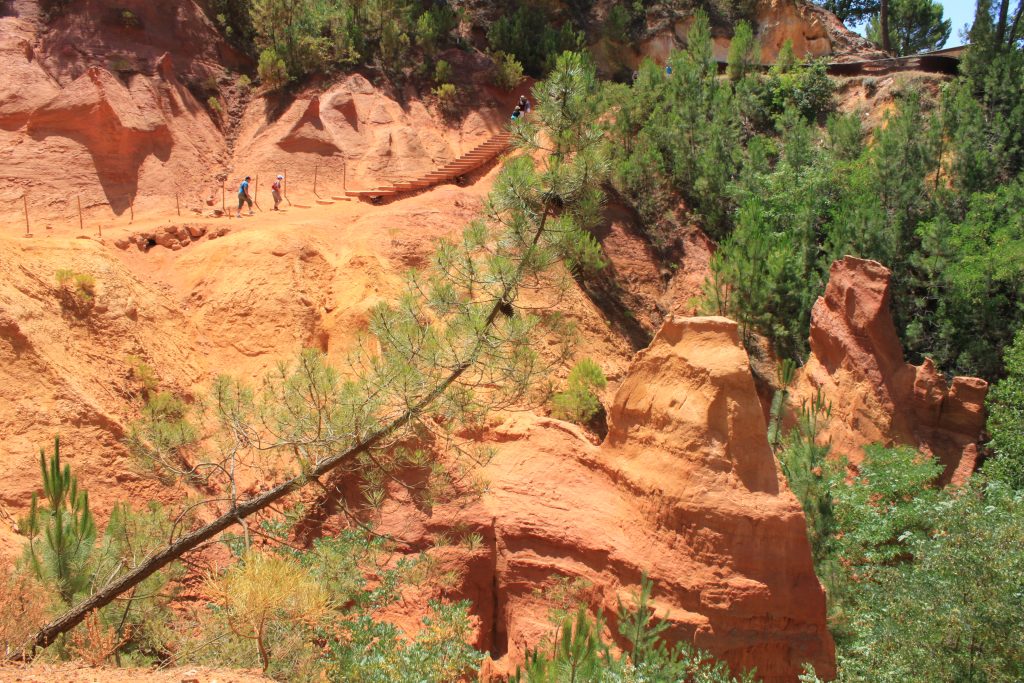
(684, 488)
(857, 363)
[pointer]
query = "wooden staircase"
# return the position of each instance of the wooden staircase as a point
(466, 163)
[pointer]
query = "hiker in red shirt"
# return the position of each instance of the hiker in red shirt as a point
(275, 190)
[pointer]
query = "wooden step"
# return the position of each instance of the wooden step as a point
(468, 162)
(371, 193)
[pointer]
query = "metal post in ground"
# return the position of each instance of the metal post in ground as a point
(81, 226)
(177, 203)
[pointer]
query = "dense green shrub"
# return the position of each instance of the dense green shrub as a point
(529, 34)
(932, 576)
(339, 639)
(769, 269)
(579, 652)
(434, 26)
(625, 20)
(742, 52)
(803, 86)
(579, 402)
(447, 97)
(272, 71)
(318, 36)
(442, 71)
(680, 135)
(508, 72)
(971, 283)
(1006, 420)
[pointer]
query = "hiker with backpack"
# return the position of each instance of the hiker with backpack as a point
(243, 197)
(275, 191)
(524, 104)
(516, 113)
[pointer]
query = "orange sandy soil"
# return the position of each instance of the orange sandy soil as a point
(76, 673)
(237, 304)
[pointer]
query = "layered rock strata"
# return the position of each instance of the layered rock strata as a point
(685, 488)
(876, 397)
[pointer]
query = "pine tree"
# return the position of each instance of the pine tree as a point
(61, 557)
(454, 346)
(914, 26)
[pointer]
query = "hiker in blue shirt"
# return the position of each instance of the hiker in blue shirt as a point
(516, 113)
(243, 196)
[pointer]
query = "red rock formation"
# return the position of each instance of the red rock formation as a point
(685, 488)
(780, 20)
(775, 22)
(857, 362)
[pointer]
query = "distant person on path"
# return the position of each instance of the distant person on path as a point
(243, 196)
(275, 190)
(516, 113)
(524, 104)
(668, 69)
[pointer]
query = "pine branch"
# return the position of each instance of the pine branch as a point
(67, 621)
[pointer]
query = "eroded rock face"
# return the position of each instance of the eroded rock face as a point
(857, 363)
(774, 21)
(684, 487)
(780, 20)
(95, 107)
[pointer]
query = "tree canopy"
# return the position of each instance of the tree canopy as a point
(914, 26)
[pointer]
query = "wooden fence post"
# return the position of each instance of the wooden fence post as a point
(177, 203)
(81, 226)
(316, 171)
(24, 198)
(131, 206)
(223, 201)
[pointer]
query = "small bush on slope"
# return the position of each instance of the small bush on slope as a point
(580, 653)
(579, 402)
(508, 72)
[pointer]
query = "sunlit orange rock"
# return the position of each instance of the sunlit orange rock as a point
(876, 397)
